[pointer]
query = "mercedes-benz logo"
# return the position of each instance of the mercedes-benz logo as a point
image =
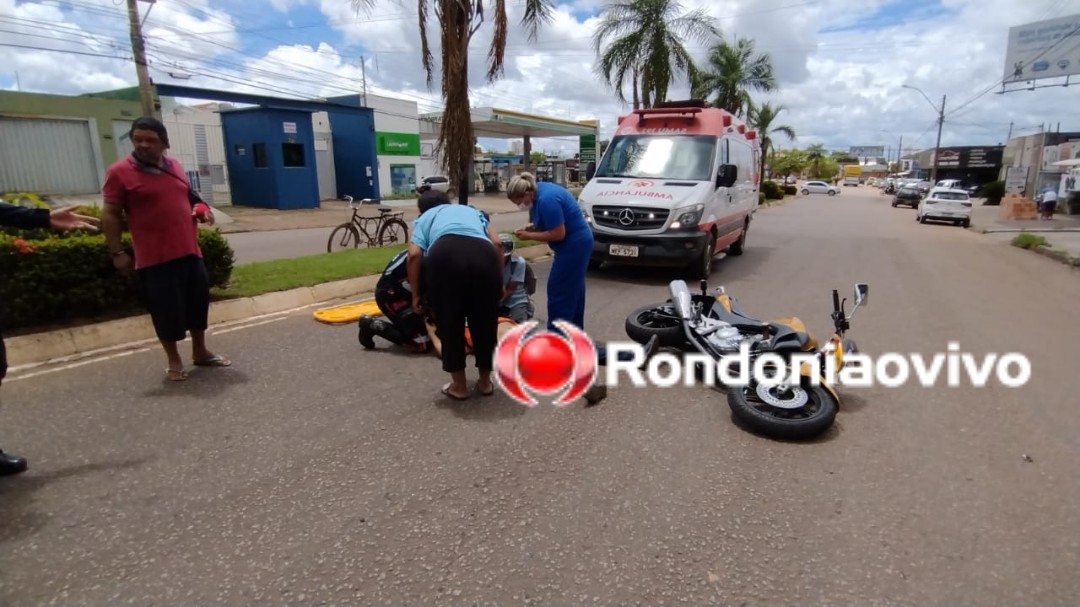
(626, 217)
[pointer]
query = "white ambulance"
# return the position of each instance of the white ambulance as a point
(677, 185)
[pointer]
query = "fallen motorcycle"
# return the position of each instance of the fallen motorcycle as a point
(716, 326)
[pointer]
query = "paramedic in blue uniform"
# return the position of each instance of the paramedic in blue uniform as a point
(558, 221)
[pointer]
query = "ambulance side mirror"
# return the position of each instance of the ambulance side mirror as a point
(727, 176)
(590, 170)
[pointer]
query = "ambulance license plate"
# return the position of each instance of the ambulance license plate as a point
(621, 250)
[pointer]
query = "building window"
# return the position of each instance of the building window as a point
(402, 178)
(258, 150)
(292, 154)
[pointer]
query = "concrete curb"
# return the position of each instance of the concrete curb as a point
(48, 346)
(1057, 255)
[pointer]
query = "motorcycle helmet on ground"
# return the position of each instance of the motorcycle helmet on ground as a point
(507, 244)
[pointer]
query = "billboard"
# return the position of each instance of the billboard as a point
(864, 151)
(969, 158)
(1044, 49)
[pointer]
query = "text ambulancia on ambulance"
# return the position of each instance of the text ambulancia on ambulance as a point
(677, 186)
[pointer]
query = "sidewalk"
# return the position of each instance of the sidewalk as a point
(334, 212)
(1062, 232)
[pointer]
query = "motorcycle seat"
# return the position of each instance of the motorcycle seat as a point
(783, 337)
(739, 321)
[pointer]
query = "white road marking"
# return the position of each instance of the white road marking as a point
(128, 349)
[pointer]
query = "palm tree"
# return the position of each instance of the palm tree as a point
(647, 43)
(732, 72)
(761, 119)
(458, 21)
(815, 154)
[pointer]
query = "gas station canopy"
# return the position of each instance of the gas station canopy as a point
(505, 124)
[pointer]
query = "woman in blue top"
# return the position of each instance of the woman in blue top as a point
(559, 222)
(460, 255)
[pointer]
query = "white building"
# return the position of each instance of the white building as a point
(196, 141)
(403, 159)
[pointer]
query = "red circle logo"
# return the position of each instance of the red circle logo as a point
(642, 183)
(545, 363)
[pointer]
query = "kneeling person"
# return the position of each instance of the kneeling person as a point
(515, 303)
(401, 324)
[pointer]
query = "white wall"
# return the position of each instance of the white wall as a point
(394, 115)
(181, 121)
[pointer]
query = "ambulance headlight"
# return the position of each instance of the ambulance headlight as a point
(687, 217)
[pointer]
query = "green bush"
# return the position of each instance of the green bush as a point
(1025, 240)
(993, 192)
(790, 190)
(761, 197)
(772, 190)
(57, 277)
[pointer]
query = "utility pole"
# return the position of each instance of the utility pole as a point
(1009, 136)
(363, 79)
(940, 123)
(900, 155)
(146, 92)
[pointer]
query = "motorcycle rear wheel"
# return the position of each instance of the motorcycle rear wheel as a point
(658, 319)
(805, 422)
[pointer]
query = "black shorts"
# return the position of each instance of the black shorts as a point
(177, 294)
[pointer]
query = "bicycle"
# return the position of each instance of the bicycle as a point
(389, 228)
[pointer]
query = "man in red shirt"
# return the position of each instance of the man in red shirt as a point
(154, 192)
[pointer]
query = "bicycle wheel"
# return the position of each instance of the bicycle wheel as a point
(394, 231)
(343, 237)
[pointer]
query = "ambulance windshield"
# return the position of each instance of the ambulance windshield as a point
(687, 157)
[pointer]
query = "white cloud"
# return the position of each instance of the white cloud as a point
(839, 88)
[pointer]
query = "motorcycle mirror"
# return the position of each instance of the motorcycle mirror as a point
(704, 287)
(680, 297)
(862, 293)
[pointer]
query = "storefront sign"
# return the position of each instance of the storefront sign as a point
(397, 144)
(1015, 179)
(981, 158)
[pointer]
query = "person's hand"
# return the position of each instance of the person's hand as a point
(416, 304)
(122, 262)
(203, 213)
(523, 234)
(66, 219)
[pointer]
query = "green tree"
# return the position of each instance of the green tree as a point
(825, 168)
(789, 162)
(816, 155)
(458, 21)
(732, 71)
(761, 119)
(645, 42)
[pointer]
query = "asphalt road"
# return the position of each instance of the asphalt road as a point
(314, 472)
(278, 244)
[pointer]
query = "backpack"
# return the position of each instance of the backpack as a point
(530, 279)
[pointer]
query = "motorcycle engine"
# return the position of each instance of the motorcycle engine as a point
(726, 338)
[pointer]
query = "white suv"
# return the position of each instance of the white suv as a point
(945, 204)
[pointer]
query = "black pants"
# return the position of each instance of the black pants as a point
(408, 326)
(177, 295)
(464, 283)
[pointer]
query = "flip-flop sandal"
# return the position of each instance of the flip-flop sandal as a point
(483, 392)
(216, 361)
(176, 374)
(446, 392)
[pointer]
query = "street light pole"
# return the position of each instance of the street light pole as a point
(941, 121)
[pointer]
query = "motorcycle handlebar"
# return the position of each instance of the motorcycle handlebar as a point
(836, 300)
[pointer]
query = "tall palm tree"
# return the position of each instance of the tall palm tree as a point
(734, 70)
(646, 42)
(815, 154)
(761, 119)
(459, 20)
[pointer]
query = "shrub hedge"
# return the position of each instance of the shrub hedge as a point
(791, 190)
(761, 197)
(772, 190)
(51, 277)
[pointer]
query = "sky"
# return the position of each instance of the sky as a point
(841, 65)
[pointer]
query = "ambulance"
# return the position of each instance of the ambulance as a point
(677, 186)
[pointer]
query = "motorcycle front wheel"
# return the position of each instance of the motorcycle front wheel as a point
(658, 319)
(801, 412)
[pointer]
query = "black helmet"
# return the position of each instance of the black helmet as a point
(507, 244)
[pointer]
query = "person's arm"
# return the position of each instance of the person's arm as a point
(547, 214)
(23, 218)
(112, 219)
(493, 236)
(413, 262)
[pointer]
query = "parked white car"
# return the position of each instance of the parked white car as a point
(945, 204)
(436, 182)
(819, 187)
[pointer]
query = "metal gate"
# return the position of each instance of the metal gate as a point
(49, 156)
